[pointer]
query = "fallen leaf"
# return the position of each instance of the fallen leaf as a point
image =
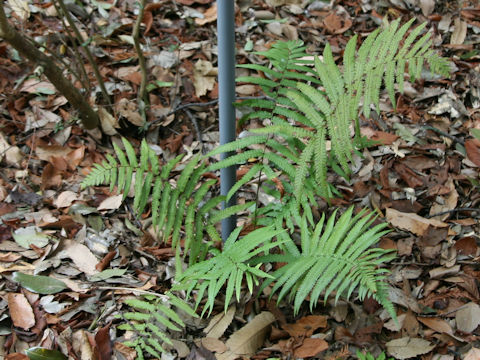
(405, 348)
(108, 122)
(204, 77)
(310, 347)
(467, 246)
(38, 353)
(17, 356)
(247, 340)
(219, 323)
(21, 8)
(468, 317)
(38, 283)
(214, 345)
(439, 325)
(472, 354)
(25, 237)
(81, 256)
(459, 32)
(411, 222)
(208, 16)
(306, 326)
(103, 343)
(65, 199)
(472, 146)
(111, 203)
(337, 24)
(21, 311)
(427, 6)
(129, 110)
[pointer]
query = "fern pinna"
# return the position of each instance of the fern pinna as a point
(174, 207)
(306, 107)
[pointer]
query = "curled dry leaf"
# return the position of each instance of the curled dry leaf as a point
(219, 323)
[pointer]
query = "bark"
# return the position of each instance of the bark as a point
(88, 116)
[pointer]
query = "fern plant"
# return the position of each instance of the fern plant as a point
(229, 266)
(307, 103)
(173, 207)
(307, 113)
(150, 318)
(337, 257)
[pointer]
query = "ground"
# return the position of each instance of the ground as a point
(423, 179)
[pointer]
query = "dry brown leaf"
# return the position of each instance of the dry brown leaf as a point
(219, 323)
(108, 122)
(208, 16)
(472, 146)
(337, 24)
(405, 348)
(310, 347)
(21, 311)
(411, 222)
(459, 32)
(46, 152)
(443, 271)
(472, 354)
(204, 77)
(81, 345)
(65, 199)
(75, 157)
(127, 352)
(214, 345)
(439, 325)
(111, 203)
(306, 326)
(247, 340)
(467, 246)
(449, 202)
(427, 6)
(468, 317)
(81, 256)
(129, 110)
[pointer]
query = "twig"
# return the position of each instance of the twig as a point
(197, 128)
(92, 62)
(134, 290)
(208, 103)
(452, 211)
(86, 82)
(443, 133)
(142, 94)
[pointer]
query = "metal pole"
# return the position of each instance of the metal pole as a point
(226, 97)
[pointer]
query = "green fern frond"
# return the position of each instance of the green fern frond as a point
(336, 256)
(150, 318)
(232, 263)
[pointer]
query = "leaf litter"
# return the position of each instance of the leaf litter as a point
(77, 253)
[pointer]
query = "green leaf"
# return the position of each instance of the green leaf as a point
(107, 274)
(39, 284)
(38, 353)
(475, 133)
(30, 236)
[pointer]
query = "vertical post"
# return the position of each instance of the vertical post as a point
(226, 97)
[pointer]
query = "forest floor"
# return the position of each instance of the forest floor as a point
(423, 178)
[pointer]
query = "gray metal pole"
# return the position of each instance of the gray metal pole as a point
(226, 97)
